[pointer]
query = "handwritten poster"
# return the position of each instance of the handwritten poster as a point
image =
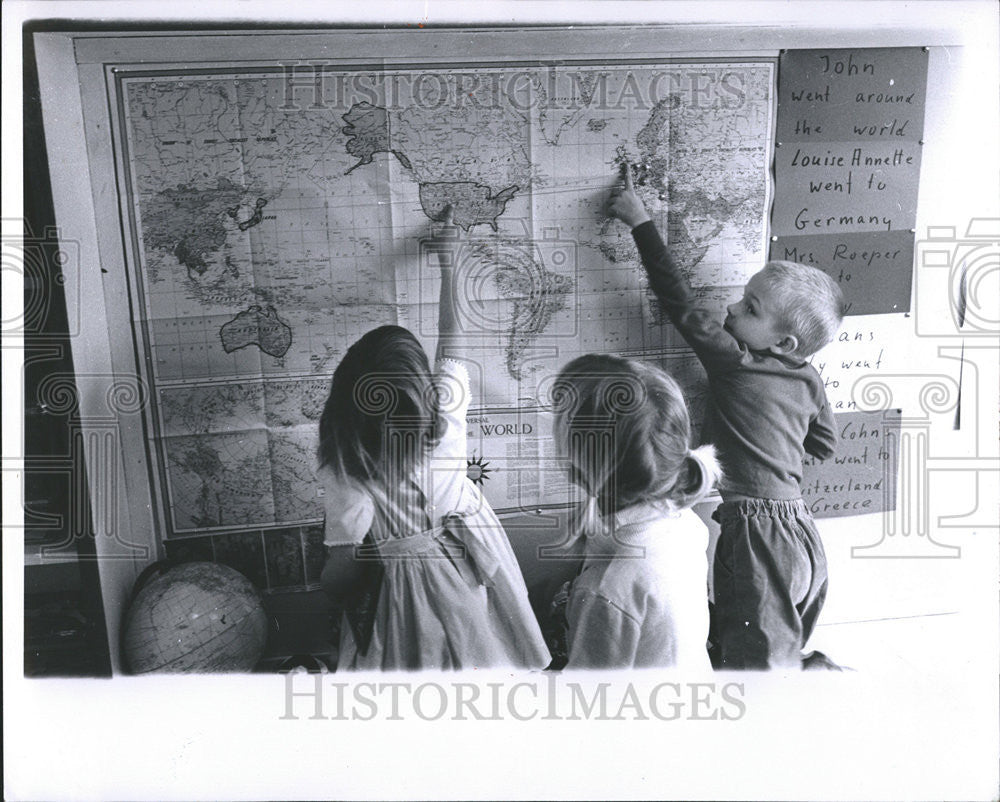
(873, 268)
(861, 476)
(847, 168)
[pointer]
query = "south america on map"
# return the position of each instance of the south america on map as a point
(276, 220)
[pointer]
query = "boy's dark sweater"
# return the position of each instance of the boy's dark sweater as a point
(766, 412)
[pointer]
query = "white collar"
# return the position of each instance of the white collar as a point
(630, 525)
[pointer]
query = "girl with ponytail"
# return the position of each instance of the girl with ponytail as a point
(641, 597)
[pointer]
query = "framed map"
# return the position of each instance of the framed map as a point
(278, 212)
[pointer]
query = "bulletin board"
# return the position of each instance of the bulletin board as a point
(847, 168)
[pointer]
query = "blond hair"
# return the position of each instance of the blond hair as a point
(623, 428)
(810, 303)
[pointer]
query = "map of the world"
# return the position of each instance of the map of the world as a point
(278, 215)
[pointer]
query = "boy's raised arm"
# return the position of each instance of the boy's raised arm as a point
(714, 346)
(625, 204)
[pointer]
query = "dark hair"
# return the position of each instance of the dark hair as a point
(624, 429)
(381, 416)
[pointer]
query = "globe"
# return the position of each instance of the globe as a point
(198, 616)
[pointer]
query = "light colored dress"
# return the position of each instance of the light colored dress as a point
(452, 595)
(641, 599)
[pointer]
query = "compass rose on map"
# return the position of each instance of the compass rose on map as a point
(478, 470)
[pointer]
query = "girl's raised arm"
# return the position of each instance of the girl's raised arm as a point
(445, 244)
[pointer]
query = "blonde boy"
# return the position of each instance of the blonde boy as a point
(768, 410)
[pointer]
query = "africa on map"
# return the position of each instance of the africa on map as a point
(278, 219)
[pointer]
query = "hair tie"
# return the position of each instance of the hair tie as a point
(705, 452)
(589, 522)
(708, 466)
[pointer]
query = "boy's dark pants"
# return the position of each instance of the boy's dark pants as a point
(770, 577)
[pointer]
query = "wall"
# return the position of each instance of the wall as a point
(898, 353)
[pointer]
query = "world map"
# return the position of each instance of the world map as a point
(275, 222)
